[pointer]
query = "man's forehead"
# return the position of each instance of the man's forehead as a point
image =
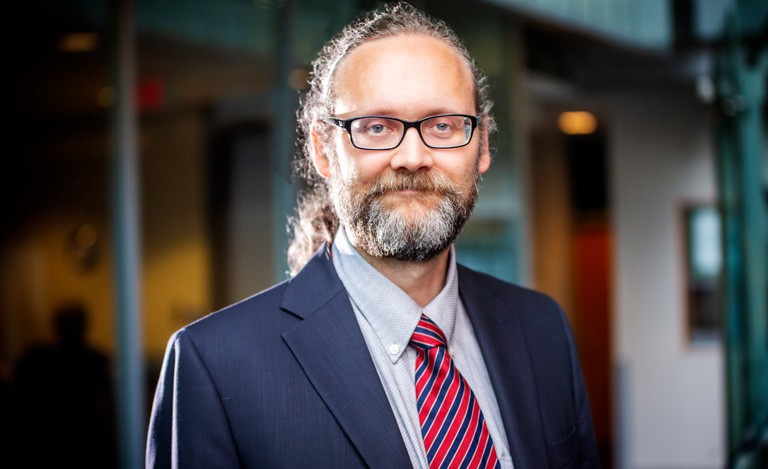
(408, 70)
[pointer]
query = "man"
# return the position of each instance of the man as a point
(381, 351)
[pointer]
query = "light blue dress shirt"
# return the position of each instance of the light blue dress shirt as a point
(387, 317)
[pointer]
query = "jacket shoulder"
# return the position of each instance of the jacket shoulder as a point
(521, 298)
(266, 315)
(255, 312)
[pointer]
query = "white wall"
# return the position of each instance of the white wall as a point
(670, 409)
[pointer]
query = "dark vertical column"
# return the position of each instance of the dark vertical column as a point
(126, 223)
(283, 134)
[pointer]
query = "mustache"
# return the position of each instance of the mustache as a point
(435, 182)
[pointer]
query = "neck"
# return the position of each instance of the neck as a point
(422, 281)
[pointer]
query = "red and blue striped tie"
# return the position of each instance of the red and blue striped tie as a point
(452, 424)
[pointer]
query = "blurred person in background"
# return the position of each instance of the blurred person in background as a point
(64, 400)
(381, 350)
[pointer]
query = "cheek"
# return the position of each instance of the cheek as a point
(461, 170)
(347, 169)
(340, 162)
(358, 166)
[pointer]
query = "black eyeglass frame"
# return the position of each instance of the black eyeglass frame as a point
(346, 124)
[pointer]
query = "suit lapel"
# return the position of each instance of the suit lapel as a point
(497, 328)
(332, 352)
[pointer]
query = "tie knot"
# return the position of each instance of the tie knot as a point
(427, 335)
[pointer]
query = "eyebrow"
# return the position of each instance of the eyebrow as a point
(397, 113)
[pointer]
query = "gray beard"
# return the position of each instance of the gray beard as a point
(386, 233)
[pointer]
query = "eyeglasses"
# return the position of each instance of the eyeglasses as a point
(385, 133)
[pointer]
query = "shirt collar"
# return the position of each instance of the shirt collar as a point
(391, 313)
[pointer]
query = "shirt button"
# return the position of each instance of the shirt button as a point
(394, 348)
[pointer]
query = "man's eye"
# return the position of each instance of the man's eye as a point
(376, 129)
(442, 128)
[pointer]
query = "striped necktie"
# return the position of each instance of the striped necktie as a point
(452, 424)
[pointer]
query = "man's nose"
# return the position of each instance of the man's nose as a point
(412, 154)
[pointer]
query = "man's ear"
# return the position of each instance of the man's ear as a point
(484, 159)
(319, 153)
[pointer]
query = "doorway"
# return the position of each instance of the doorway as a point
(572, 249)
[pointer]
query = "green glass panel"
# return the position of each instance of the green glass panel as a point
(742, 72)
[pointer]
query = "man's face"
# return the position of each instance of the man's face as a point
(408, 203)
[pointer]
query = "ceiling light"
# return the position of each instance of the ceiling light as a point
(577, 123)
(78, 42)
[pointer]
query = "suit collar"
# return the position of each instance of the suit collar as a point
(347, 382)
(497, 328)
(313, 286)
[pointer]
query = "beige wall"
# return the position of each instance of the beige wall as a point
(39, 273)
(671, 398)
(39, 270)
(551, 228)
(176, 253)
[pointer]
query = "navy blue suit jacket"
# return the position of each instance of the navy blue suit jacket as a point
(284, 379)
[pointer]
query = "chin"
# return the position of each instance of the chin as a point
(418, 256)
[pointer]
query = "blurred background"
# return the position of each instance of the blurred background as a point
(146, 183)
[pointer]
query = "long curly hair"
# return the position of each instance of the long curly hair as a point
(314, 221)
